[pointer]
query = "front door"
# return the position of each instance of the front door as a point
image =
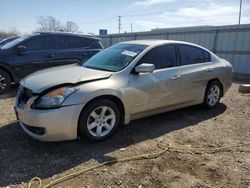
(150, 91)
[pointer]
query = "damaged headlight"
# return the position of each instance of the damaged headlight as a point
(54, 98)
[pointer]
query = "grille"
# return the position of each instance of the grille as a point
(24, 95)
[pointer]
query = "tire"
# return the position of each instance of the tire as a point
(5, 82)
(213, 94)
(94, 119)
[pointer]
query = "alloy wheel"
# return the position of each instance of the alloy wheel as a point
(3, 83)
(213, 95)
(101, 121)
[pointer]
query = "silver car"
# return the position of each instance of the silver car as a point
(126, 81)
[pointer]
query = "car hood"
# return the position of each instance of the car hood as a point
(44, 79)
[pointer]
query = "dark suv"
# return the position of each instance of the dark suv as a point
(37, 51)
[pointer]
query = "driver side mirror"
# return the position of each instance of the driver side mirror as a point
(20, 49)
(145, 68)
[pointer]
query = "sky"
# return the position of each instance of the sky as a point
(144, 15)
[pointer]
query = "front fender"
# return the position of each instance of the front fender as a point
(83, 97)
(92, 90)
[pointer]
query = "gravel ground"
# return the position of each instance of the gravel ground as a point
(22, 158)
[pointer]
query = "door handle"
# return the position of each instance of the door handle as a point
(209, 69)
(83, 54)
(51, 55)
(175, 77)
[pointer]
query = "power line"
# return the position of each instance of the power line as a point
(147, 14)
(128, 15)
(99, 21)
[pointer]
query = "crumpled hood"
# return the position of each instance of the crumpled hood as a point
(69, 74)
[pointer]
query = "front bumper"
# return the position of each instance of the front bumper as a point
(58, 124)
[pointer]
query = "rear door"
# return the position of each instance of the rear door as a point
(160, 88)
(196, 69)
(71, 49)
(39, 53)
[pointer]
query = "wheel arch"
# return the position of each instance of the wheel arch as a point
(7, 70)
(112, 98)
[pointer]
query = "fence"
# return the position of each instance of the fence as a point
(230, 42)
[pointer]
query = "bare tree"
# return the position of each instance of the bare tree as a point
(10, 33)
(71, 27)
(50, 23)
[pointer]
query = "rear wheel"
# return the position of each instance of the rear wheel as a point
(5, 81)
(213, 94)
(99, 120)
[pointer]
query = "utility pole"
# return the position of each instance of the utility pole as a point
(119, 24)
(240, 11)
(131, 26)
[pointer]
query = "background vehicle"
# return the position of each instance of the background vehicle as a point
(37, 51)
(5, 41)
(124, 82)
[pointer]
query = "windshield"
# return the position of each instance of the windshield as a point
(5, 41)
(14, 42)
(115, 58)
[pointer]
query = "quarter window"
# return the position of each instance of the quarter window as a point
(207, 56)
(96, 45)
(193, 55)
(162, 57)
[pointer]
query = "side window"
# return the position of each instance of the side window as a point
(162, 57)
(65, 42)
(191, 55)
(85, 42)
(75, 42)
(78, 42)
(39, 43)
(62, 42)
(207, 56)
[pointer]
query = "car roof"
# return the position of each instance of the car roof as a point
(153, 42)
(67, 34)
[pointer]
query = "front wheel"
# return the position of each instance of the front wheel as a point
(99, 120)
(5, 82)
(213, 94)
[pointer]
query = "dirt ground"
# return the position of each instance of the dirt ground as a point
(22, 158)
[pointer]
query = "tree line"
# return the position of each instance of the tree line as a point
(46, 24)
